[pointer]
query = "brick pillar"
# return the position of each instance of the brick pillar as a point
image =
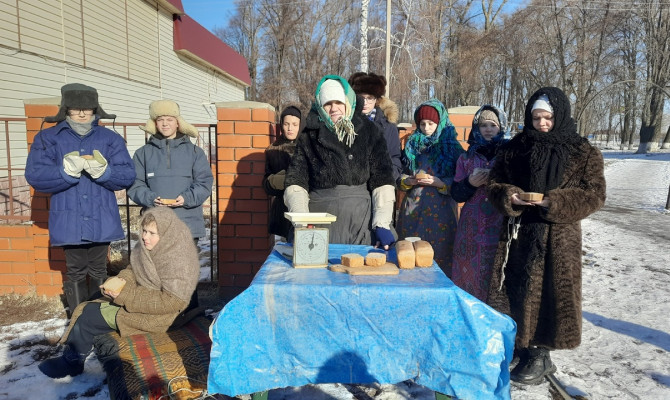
(27, 263)
(243, 132)
(49, 263)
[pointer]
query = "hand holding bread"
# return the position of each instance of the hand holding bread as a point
(113, 286)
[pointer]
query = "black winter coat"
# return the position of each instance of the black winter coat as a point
(321, 161)
(277, 158)
(392, 141)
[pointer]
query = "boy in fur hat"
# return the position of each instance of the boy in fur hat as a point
(172, 171)
(81, 164)
(381, 110)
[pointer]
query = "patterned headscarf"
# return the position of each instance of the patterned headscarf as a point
(477, 141)
(442, 147)
(344, 128)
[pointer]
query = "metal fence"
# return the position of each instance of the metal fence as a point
(14, 190)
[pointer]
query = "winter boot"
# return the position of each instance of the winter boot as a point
(75, 293)
(94, 284)
(70, 363)
(519, 355)
(532, 370)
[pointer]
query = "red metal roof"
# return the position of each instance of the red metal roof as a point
(193, 39)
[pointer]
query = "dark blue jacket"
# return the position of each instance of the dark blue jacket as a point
(392, 137)
(82, 210)
(169, 168)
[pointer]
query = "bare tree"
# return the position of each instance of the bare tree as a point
(242, 34)
(655, 16)
(364, 35)
(490, 11)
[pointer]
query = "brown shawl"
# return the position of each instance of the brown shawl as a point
(173, 264)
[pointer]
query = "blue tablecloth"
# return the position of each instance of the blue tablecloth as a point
(293, 327)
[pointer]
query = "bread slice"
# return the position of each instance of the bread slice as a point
(168, 201)
(352, 260)
(531, 196)
(424, 253)
(87, 157)
(114, 284)
(375, 259)
(421, 175)
(406, 254)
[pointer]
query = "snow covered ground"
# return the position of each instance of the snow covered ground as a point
(625, 351)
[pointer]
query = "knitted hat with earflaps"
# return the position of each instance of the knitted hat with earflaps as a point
(159, 108)
(81, 97)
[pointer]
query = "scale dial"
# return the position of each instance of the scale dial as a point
(310, 247)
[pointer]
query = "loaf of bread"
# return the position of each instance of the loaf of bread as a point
(352, 260)
(424, 253)
(375, 259)
(406, 254)
(114, 284)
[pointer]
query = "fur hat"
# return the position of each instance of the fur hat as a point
(426, 112)
(367, 82)
(159, 108)
(78, 96)
(331, 90)
(488, 115)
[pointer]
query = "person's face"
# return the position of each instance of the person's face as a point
(543, 121)
(488, 129)
(427, 126)
(167, 126)
(335, 109)
(150, 236)
(290, 127)
(369, 102)
(80, 115)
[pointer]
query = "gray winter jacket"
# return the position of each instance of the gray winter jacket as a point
(169, 168)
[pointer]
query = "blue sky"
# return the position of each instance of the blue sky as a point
(209, 13)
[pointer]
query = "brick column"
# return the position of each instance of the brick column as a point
(49, 261)
(27, 263)
(244, 130)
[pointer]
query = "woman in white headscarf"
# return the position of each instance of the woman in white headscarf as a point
(341, 166)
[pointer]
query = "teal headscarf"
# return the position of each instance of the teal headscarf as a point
(344, 128)
(442, 147)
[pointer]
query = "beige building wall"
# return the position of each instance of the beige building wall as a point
(123, 48)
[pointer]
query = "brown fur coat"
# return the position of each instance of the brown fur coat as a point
(540, 286)
(547, 309)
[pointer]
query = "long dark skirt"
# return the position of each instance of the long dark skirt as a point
(352, 207)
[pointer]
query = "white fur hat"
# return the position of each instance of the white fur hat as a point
(542, 103)
(159, 108)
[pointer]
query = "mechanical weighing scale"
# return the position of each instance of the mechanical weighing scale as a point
(310, 244)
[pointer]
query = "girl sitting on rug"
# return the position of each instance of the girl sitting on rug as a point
(158, 285)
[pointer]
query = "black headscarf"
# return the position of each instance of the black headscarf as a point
(545, 154)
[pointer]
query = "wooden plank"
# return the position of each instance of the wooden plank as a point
(386, 269)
